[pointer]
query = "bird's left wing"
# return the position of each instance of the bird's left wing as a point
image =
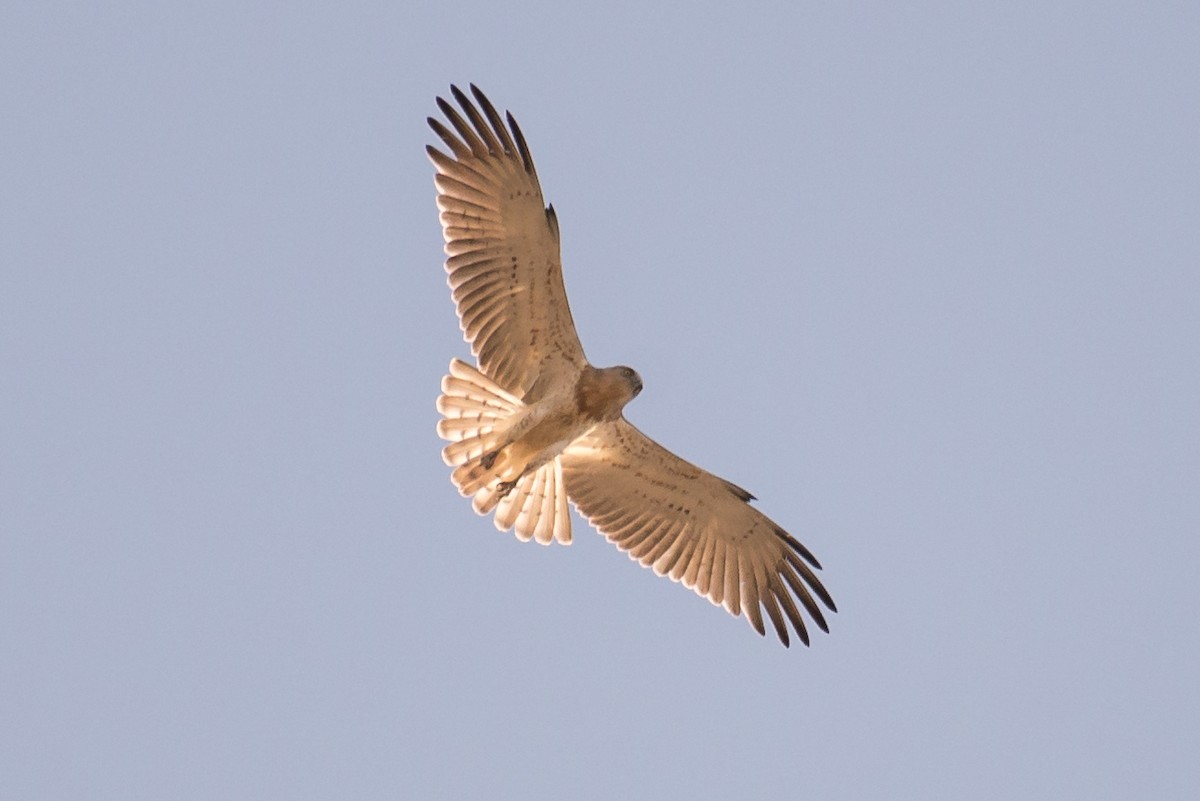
(503, 251)
(690, 525)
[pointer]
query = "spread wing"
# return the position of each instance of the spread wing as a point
(692, 526)
(503, 252)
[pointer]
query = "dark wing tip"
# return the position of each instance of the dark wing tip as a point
(741, 494)
(518, 138)
(480, 96)
(781, 631)
(821, 623)
(487, 126)
(445, 106)
(796, 546)
(522, 146)
(495, 121)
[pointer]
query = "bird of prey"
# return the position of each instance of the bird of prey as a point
(534, 424)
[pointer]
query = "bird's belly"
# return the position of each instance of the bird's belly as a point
(547, 438)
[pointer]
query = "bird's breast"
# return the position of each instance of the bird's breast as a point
(546, 433)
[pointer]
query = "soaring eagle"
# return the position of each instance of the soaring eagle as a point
(534, 424)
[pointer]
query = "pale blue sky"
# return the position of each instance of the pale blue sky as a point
(924, 277)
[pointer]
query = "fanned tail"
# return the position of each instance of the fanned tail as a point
(477, 414)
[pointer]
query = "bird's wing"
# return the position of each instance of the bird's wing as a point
(692, 526)
(502, 250)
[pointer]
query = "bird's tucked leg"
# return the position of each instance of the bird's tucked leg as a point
(504, 488)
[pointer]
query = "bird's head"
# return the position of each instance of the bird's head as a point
(632, 379)
(602, 394)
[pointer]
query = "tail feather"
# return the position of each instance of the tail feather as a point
(477, 414)
(457, 429)
(468, 450)
(537, 507)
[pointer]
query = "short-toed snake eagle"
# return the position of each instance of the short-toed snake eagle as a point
(535, 424)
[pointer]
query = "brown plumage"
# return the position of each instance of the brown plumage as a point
(536, 424)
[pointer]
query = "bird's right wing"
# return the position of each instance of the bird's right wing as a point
(503, 251)
(692, 526)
